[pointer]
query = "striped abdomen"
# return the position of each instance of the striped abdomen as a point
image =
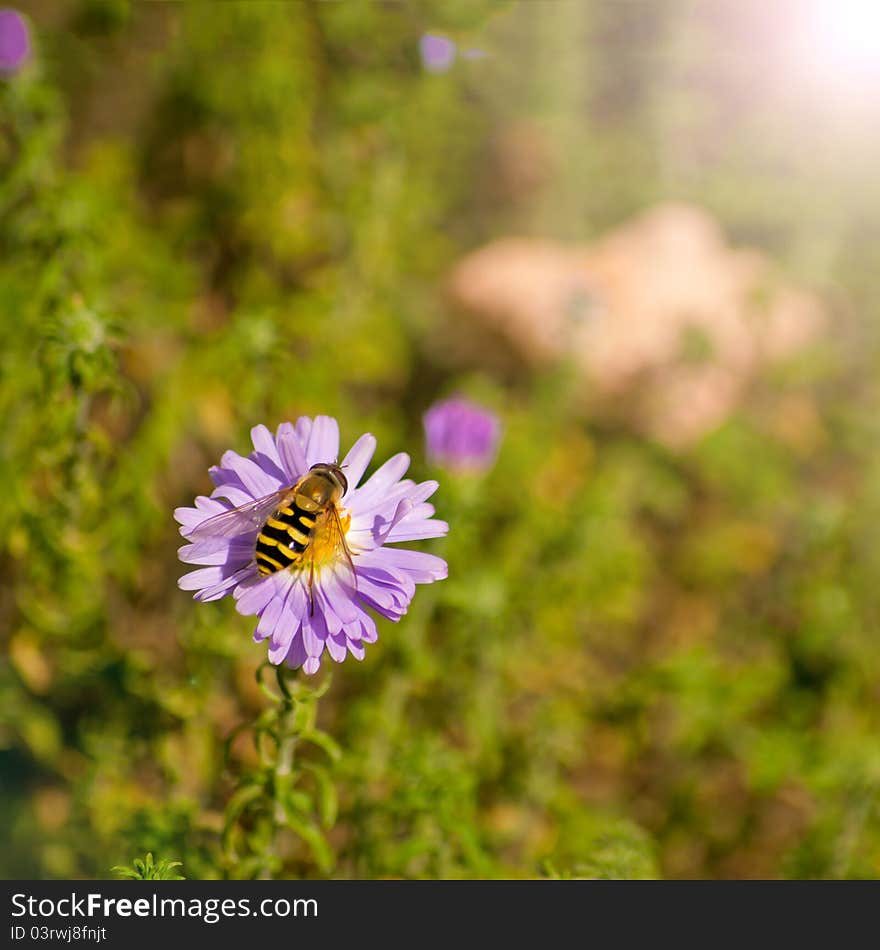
(285, 536)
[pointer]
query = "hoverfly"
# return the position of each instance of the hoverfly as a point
(299, 526)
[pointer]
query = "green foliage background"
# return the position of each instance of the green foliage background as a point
(218, 215)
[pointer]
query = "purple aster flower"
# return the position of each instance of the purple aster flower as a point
(15, 42)
(438, 52)
(292, 537)
(461, 436)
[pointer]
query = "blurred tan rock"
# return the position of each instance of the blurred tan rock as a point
(662, 309)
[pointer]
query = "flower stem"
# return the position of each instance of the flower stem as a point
(287, 736)
(290, 794)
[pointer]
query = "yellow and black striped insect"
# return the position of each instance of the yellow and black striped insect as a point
(300, 527)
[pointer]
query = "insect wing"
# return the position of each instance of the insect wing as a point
(241, 520)
(334, 538)
(344, 566)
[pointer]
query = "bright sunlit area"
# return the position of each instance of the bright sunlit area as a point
(843, 39)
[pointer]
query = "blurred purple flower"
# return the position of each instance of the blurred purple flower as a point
(305, 610)
(15, 42)
(461, 436)
(438, 52)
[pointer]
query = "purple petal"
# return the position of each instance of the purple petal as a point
(224, 586)
(366, 530)
(301, 602)
(278, 651)
(418, 530)
(323, 444)
(384, 502)
(399, 582)
(338, 596)
(382, 530)
(254, 479)
(379, 482)
(211, 506)
(423, 491)
(423, 568)
(251, 597)
(287, 627)
(297, 655)
(230, 485)
(265, 444)
(218, 551)
(369, 633)
(314, 632)
(383, 599)
(331, 618)
(209, 551)
(421, 511)
(274, 470)
(205, 508)
(406, 488)
(225, 476)
(303, 430)
(291, 451)
(336, 646)
(268, 618)
(189, 517)
(205, 577)
(462, 435)
(438, 52)
(235, 496)
(358, 458)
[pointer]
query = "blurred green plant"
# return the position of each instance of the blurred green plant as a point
(147, 870)
(290, 789)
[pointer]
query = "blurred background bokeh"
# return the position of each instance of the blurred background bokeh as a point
(645, 234)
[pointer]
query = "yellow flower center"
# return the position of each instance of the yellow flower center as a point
(327, 543)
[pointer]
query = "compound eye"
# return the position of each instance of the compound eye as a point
(342, 480)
